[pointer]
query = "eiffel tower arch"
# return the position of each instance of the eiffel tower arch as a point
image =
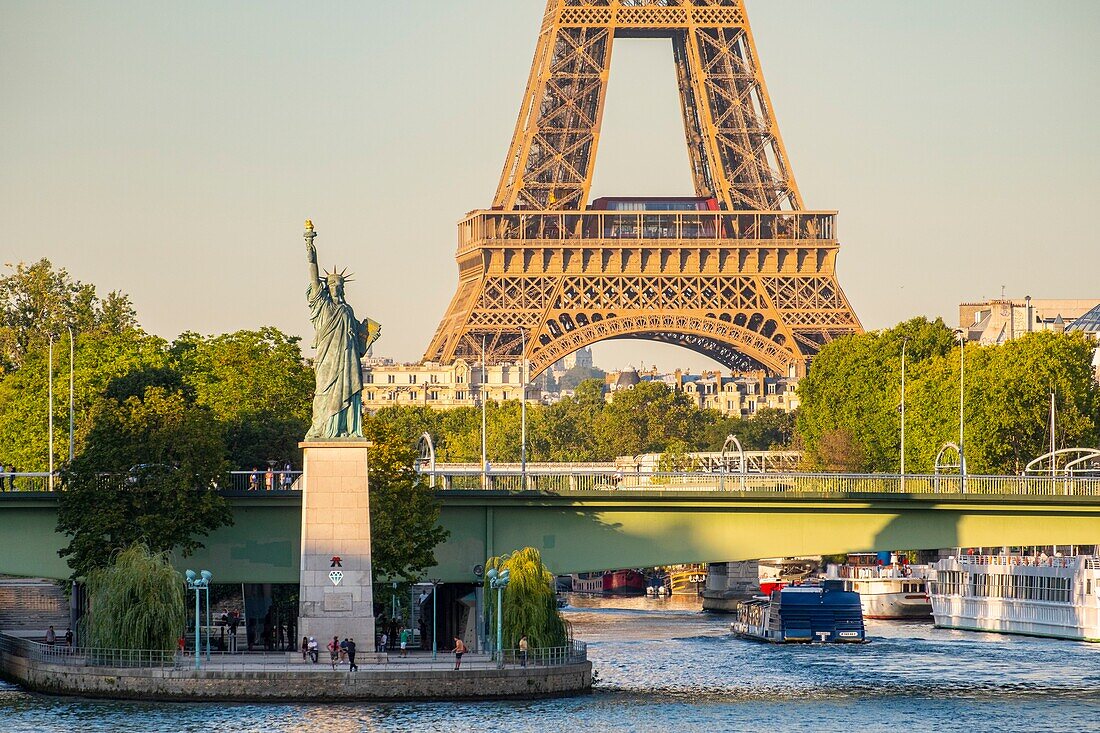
(742, 272)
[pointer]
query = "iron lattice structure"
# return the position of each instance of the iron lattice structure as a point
(752, 284)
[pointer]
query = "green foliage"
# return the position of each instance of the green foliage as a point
(530, 602)
(850, 418)
(258, 387)
(105, 363)
(136, 602)
(146, 475)
(36, 301)
(766, 429)
(404, 513)
(574, 376)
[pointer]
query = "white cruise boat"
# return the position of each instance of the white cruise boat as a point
(894, 591)
(1017, 594)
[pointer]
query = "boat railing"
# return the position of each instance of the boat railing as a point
(1043, 561)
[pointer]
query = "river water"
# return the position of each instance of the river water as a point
(664, 665)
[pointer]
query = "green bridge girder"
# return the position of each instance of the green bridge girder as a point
(598, 530)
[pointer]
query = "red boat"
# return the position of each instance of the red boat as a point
(624, 582)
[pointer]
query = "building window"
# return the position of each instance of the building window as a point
(369, 378)
(391, 379)
(460, 395)
(771, 388)
(434, 378)
(433, 395)
(412, 396)
(505, 395)
(412, 379)
(370, 396)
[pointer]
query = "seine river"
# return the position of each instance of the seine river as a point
(664, 665)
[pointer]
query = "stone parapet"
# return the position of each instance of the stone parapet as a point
(296, 686)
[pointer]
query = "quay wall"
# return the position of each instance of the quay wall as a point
(295, 686)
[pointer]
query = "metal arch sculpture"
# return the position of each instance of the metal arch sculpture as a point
(1074, 457)
(540, 268)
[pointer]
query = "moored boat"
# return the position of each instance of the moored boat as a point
(624, 582)
(1034, 595)
(803, 613)
(687, 580)
(896, 590)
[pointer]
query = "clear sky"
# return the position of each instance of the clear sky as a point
(172, 150)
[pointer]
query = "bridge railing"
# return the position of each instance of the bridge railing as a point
(470, 478)
(234, 481)
(22, 481)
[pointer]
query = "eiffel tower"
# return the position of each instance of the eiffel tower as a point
(742, 272)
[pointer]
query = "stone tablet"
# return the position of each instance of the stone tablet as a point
(337, 602)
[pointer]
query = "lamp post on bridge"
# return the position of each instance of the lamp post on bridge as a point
(199, 583)
(904, 344)
(962, 378)
(499, 581)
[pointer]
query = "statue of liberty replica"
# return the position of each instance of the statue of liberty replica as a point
(341, 341)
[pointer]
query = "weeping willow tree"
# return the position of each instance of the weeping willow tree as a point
(530, 602)
(135, 603)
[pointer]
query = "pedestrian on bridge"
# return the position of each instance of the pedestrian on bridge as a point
(3, 476)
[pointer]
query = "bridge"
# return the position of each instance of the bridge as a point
(587, 521)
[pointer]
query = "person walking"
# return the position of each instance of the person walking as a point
(3, 476)
(344, 650)
(69, 638)
(254, 480)
(404, 642)
(460, 649)
(383, 643)
(51, 637)
(523, 650)
(334, 651)
(313, 650)
(352, 666)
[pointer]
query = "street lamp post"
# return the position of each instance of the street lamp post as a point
(904, 344)
(499, 581)
(436, 582)
(50, 377)
(484, 452)
(962, 379)
(72, 351)
(523, 409)
(200, 583)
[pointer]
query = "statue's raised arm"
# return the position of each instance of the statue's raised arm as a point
(311, 256)
(341, 341)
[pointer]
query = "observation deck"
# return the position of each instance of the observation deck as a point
(492, 228)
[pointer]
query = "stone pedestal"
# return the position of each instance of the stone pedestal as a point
(336, 597)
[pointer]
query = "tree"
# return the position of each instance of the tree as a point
(37, 301)
(136, 602)
(854, 387)
(849, 417)
(530, 601)
(766, 429)
(107, 365)
(257, 385)
(148, 475)
(647, 418)
(404, 513)
(577, 374)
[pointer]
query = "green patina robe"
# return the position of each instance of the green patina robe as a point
(341, 341)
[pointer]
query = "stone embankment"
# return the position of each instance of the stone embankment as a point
(375, 683)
